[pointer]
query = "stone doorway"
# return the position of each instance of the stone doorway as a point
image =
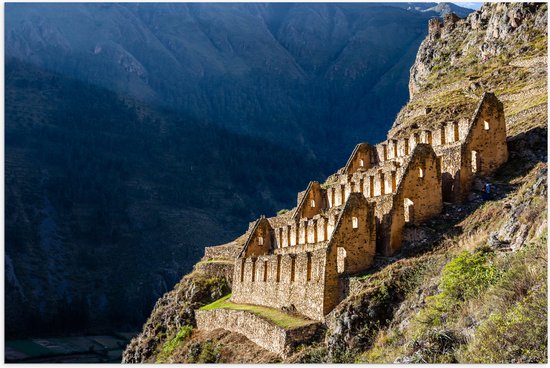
(409, 210)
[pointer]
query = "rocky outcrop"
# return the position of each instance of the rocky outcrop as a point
(174, 310)
(486, 33)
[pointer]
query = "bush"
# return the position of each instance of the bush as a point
(171, 344)
(433, 337)
(467, 275)
(209, 353)
(517, 335)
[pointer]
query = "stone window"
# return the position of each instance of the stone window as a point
(265, 271)
(359, 188)
(371, 187)
(406, 146)
(486, 125)
(420, 172)
(443, 140)
(393, 181)
(292, 269)
(253, 270)
(242, 269)
(260, 240)
(409, 210)
(455, 128)
(385, 151)
(278, 268)
(341, 255)
(382, 184)
(361, 163)
(288, 241)
(308, 267)
(475, 161)
(354, 222)
(313, 203)
(395, 149)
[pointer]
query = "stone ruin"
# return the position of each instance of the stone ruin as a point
(298, 261)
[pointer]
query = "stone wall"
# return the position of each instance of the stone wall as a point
(294, 277)
(217, 269)
(227, 251)
(312, 202)
(364, 156)
(261, 239)
(485, 147)
(262, 332)
(293, 281)
(297, 260)
(418, 197)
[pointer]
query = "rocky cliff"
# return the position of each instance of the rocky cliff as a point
(469, 286)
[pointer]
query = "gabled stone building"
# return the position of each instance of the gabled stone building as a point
(297, 261)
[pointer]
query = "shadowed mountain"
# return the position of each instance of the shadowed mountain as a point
(108, 201)
(322, 76)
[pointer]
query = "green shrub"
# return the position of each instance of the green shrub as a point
(282, 212)
(433, 337)
(467, 275)
(209, 353)
(517, 335)
(171, 344)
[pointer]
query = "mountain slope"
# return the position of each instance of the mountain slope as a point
(109, 201)
(299, 74)
(475, 288)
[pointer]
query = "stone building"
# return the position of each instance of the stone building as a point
(296, 261)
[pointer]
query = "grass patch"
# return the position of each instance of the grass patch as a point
(221, 261)
(171, 344)
(515, 328)
(276, 316)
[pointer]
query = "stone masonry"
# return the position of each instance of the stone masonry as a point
(258, 330)
(297, 261)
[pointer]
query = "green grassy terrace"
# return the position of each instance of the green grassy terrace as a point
(276, 316)
(221, 261)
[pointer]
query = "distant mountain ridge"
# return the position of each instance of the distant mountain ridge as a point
(299, 73)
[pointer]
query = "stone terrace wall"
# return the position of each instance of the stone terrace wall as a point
(227, 251)
(258, 330)
(217, 269)
(282, 281)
